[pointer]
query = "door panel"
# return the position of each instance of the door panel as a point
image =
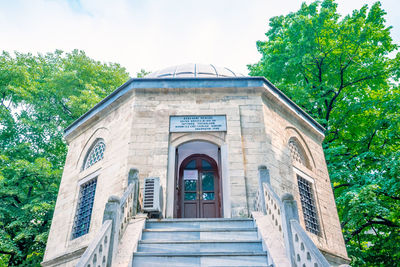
(209, 210)
(190, 210)
(199, 188)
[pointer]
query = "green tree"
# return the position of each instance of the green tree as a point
(39, 96)
(344, 71)
(142, 73)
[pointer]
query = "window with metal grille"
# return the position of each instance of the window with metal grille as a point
(296, 153)
(308, 205)
(84, 210)
(95, 154)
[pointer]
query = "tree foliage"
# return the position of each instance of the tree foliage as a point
(344, 71)
(39, 96)
(142, 73)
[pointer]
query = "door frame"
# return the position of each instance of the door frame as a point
(178, 210)
(177, 139)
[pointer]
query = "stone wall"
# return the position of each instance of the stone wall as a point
(136, 132)
(150, 137)
(111, 171)
(281, 124)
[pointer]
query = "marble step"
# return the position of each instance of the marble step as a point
(199, 223)
(174, 234)
(190, 259)
(200, 246)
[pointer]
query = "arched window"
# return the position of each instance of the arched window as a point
(95, 154)
(297, 153)
(306, 191)
(308, 205)
(84, 209)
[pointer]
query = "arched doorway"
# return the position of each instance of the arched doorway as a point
(198, 188)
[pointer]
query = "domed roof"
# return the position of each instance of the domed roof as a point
(193, 71)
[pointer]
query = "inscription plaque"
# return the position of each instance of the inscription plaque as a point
(206, 123)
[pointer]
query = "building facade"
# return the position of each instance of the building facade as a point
(205, 132)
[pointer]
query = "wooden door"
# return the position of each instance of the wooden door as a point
(199, 185)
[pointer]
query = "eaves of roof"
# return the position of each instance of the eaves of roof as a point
(228, 82)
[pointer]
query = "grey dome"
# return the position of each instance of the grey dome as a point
(193, 71)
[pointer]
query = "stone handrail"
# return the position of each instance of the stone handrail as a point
(273, 207)
(282, 216)
(258, 204)
(269, 220)
(127, 207)
(96, 253)
(117, 214)
(268, 202)
(307, 254)
(263, 177)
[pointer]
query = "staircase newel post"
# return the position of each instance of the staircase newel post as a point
(263, 177)
(289, 212)
(133, 177)
(112, 212)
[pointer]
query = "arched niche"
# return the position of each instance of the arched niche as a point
(294, 135)
(180, 140)
(99, 133)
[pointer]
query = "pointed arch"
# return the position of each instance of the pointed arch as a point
(299, 150)
(99, 133)
(95, 153)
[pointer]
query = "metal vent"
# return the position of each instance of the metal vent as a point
(152, 195)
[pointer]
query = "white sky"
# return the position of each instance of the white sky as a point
(153, 34)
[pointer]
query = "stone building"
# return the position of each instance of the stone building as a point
(229, 150)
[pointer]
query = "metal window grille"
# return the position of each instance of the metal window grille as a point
(84, 210)
(296, 153)
(308, 205)
(96, 154)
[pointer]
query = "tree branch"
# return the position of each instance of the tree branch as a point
(304, 74)
(330, 105)
(359, 80)
(65, 108)
(2, 99)
(342, 185)
(16, 199)
(343, 224)
(370, 223)
(370, 140)
(392, 197)
(389, 222)
(30, 191)
(7, 252)
(351, 59)
(330, 91)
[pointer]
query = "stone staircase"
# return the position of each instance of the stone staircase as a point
(200, 242)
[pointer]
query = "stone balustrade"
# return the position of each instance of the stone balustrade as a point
(127, 208)
(273, 206)
(97, 252)
(258, 205)
(307, 254)
(281, 216)
(117, 214)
